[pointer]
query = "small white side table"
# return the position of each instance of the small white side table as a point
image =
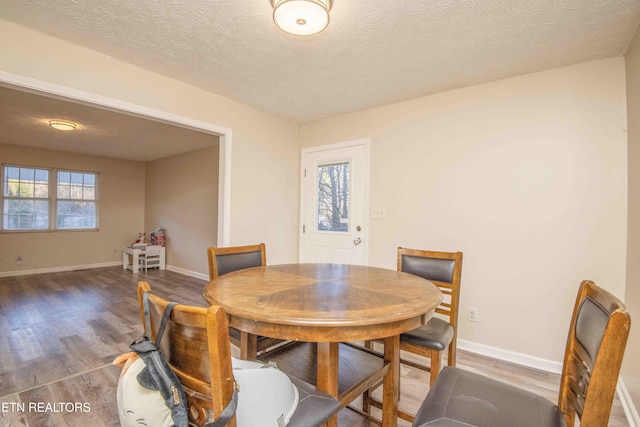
(133, 254)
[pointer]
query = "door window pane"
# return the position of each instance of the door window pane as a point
(333, 197)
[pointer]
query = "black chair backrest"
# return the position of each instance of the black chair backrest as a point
(229, 259)
(595, 347)
(429, 268)
(232, 262)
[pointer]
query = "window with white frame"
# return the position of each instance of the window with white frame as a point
(48, 199)
(76, 202)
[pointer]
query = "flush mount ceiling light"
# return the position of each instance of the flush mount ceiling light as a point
(62, 125)
(301, 17)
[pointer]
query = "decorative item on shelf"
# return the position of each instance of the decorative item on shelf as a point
(141, 241)
(158, 237)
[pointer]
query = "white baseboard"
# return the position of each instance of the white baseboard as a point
(188, 272)
(511, 356)
(549, 366)
(627, 404)
(58, 269)
(100, 265)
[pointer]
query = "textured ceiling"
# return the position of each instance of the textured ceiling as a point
(24, 120)
(374, 52)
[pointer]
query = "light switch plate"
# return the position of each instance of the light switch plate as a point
(378, 213)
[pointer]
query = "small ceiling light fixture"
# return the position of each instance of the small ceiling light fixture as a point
(62, 125)
(301, 17)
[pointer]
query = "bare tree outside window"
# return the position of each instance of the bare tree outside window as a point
(333, 197)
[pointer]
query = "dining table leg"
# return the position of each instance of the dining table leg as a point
(248, 346)
(391, 383)
(327, 372)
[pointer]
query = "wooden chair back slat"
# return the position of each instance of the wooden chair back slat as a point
(196, 346)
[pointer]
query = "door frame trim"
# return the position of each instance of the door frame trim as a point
(366, 143)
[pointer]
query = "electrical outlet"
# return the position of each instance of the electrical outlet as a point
(473, 314)
(378, 213)
(19, 260)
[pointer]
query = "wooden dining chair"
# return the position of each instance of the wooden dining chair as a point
(593, 355)
(196, 346)
(444, 269)
(229, 259)
(226, 260)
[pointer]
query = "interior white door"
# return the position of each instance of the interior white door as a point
(334, 204)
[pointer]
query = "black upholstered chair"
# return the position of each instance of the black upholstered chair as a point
(227, 260)
(196, 346)
(444, 269)
(595, 346)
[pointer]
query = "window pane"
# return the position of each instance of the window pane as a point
(333, 197)
(76, 192)
(11, 181)
(25, 222)
(89, 215)
(12, 173)
(89, 193)
(25, 207)
(25, 214)
(64, 177)
(11, 207)
(64, 191)
(27, 174)
(11, 188)
(42, 176)
(76, 186)
(26, 189)
(76, 178)
(76, 214)
(25, 182)
(41, 214)
(41, 190)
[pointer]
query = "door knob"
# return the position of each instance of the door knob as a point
(357, 241)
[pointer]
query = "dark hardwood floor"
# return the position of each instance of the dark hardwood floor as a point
(59, 333)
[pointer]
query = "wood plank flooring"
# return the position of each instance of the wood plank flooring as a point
(59, 333)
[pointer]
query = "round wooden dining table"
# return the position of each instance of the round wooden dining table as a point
(329, 304)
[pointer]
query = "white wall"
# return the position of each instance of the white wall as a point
(181, 196)
(265, 164)
(121, 215)
(631, 366)
(526, 176)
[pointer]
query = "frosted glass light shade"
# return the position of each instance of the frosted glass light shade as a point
(62, 125)
(301, 17)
